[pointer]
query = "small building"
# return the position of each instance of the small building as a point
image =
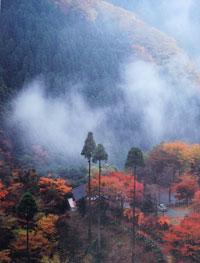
(79, 192)
(79, 196)
(72, 204)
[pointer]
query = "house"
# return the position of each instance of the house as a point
(77, 197)
(79, 192)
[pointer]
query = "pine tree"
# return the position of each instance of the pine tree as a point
(134, 160)
(99, 156)
(88, 152)
(27, 208)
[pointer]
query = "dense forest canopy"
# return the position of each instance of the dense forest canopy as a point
(99, 53)
(38, 39)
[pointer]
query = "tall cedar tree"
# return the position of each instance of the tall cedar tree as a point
(88, 152)
(27, 208)
(99, 156)
(134, 160)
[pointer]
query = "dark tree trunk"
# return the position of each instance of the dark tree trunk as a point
(99, 212)
(170, 193)
(156, 206)
(134, 217)
(159, 193)
(27, 241)
(89, 205)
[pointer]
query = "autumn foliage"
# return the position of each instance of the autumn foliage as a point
(196, 201)
(39, 245)
(3, 191)
(43, 233)
(167, 161)
(53, 240)
(118, 185)
(186, 188)
(184, 240)
(47, 224)
(49, 184)
(128, 213)
(5, 256)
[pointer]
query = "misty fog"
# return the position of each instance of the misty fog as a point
(60, 124)
(150, 106)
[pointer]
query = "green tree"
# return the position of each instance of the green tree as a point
(26, 209)
(88, 152)
(134, 160)
(99, 156)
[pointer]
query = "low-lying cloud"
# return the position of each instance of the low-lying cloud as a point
(167, 110)
(59, 124)
(151, 109)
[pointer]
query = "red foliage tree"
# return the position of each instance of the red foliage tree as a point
(117, 189)
(186, 188)
(117, 185)
(3, 191)
(184, 240)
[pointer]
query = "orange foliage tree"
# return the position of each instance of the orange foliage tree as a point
(10, 200)
(5, 256)
(183, 240)
(178, 155)
(166, 160)
(47, 224)
(180, 150)
(39, 246)
(50, 184)
(53, 194)
(186, 187)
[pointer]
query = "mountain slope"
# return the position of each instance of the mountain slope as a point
(144, 85)
(92, 34)
(147, 42)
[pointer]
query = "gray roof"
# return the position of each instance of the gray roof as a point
(79, 192)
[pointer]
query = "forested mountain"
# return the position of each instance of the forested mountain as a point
(99, 45)
(76, 40)
(39, 38)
